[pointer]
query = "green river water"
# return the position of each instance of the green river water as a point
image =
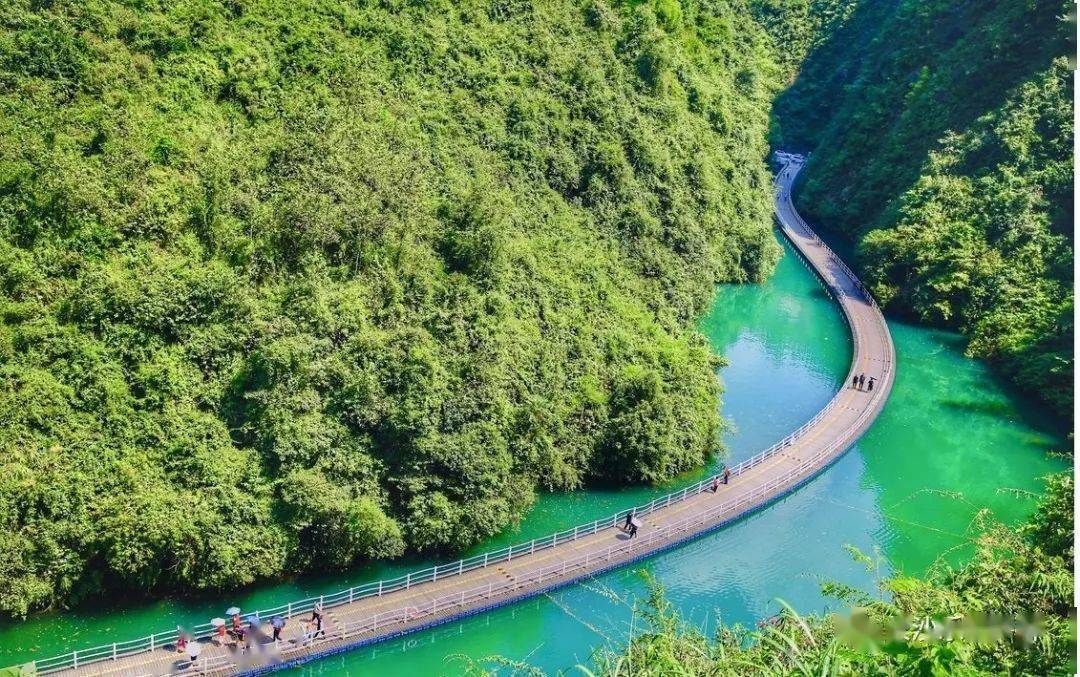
(952, 439)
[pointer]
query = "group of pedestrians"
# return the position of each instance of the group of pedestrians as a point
(857, 382)
(716, 479)
(631, 523)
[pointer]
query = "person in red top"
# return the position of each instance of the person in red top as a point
(237, 628)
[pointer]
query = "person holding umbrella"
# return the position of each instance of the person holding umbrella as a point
(277, 623)
(253, 628)
(237, 628)
(220, 633)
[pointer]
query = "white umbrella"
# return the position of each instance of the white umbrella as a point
(232, 611)
(217, 622)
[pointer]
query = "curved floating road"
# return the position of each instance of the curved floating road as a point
(386, 609)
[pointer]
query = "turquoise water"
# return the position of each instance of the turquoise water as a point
(951, 438)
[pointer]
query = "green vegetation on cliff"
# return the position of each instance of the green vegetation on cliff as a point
(1025, 574)
(289, 284)
(942, 142)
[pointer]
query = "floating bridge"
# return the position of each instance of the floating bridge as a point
(382, 610)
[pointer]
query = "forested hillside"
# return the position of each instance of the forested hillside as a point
(292, 283)
(942, 141)
(941, 135)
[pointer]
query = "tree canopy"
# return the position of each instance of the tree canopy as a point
(941, 139)
(290, 284)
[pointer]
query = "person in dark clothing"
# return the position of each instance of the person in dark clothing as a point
(629, 516)
(727, 475)
(862, 379)
(855, 381)
(870, 386)
(316, 618)
(277, 633)
(633, 530)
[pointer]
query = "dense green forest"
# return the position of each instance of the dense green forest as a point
(941, 139)
(289, 285)
(1014, 574)
(941, 136)
(292, 284)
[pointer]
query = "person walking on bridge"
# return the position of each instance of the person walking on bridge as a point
(727, 475)
(855, 381)
(629, 519)
(870, 385)
(715, 483)
(317, 619)
(237, 628)
(862, 379)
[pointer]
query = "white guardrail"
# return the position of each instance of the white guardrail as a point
(115, 650)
